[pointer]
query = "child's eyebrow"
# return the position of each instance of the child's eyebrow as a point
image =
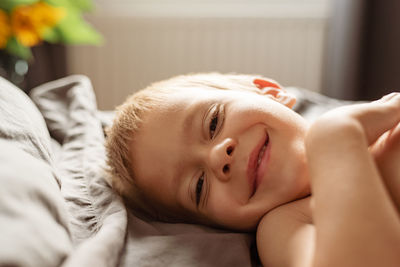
(188, 122)
(199, 109)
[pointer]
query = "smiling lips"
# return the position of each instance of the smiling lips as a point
(255, 160)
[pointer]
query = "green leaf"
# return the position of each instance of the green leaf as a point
(51, 35)
(85, 5)
(82, 5)
(74, 30)
(15, 48)
(8, 5)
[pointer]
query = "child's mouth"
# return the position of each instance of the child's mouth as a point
(255, 160)
(262, 163)
(260, 155)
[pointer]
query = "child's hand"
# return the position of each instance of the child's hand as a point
(389, 141)
(378, 123)
(386, 152)
(380, 116)
(374, 118)
(353, 194)
(391, 137)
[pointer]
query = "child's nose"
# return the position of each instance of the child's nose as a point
(221, 158)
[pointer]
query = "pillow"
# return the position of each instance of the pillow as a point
(98, 218)
(100, 230)
(311, 105)
(21, 122)
(33, 219)
(33, 225)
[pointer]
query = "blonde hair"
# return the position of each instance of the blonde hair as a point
(127, 122)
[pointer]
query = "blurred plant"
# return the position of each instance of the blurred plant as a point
(26, 23)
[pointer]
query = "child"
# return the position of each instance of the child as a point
(228, 151)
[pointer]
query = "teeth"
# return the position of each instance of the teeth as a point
(261, 154)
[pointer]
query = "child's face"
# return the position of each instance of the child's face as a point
(198, 153)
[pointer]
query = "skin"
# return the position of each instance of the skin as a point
(352, 217)
(173, 162)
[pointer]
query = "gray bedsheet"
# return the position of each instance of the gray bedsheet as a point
(82, 221)
(33, 219)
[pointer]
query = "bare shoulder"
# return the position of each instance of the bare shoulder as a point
(285, 235)
(296, 212)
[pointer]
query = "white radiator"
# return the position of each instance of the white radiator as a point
(142, 49)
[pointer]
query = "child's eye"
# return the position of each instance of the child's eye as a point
(199, 188)
(214, 122)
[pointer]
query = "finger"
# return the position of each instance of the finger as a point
(379, 116)
(388, 97)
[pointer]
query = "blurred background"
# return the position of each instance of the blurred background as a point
(347, 49)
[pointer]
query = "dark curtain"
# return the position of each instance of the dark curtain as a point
(380, 61)
(48, 63)
(363, 49)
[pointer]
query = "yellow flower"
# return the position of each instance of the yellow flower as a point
(5, 29)
(46, 16)
(30, 22)
(23, 26)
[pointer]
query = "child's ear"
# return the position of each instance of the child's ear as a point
(262, 83)
(275, 91)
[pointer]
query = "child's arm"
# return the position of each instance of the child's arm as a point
(386, 152)
(356, 221)
(286, 236)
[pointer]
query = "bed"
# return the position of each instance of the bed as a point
(56, 207)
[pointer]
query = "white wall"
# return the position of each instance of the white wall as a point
(151, 40)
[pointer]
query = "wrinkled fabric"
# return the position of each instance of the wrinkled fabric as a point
(56, 208)
(69, 108)
(97, 216)
(33, 217)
